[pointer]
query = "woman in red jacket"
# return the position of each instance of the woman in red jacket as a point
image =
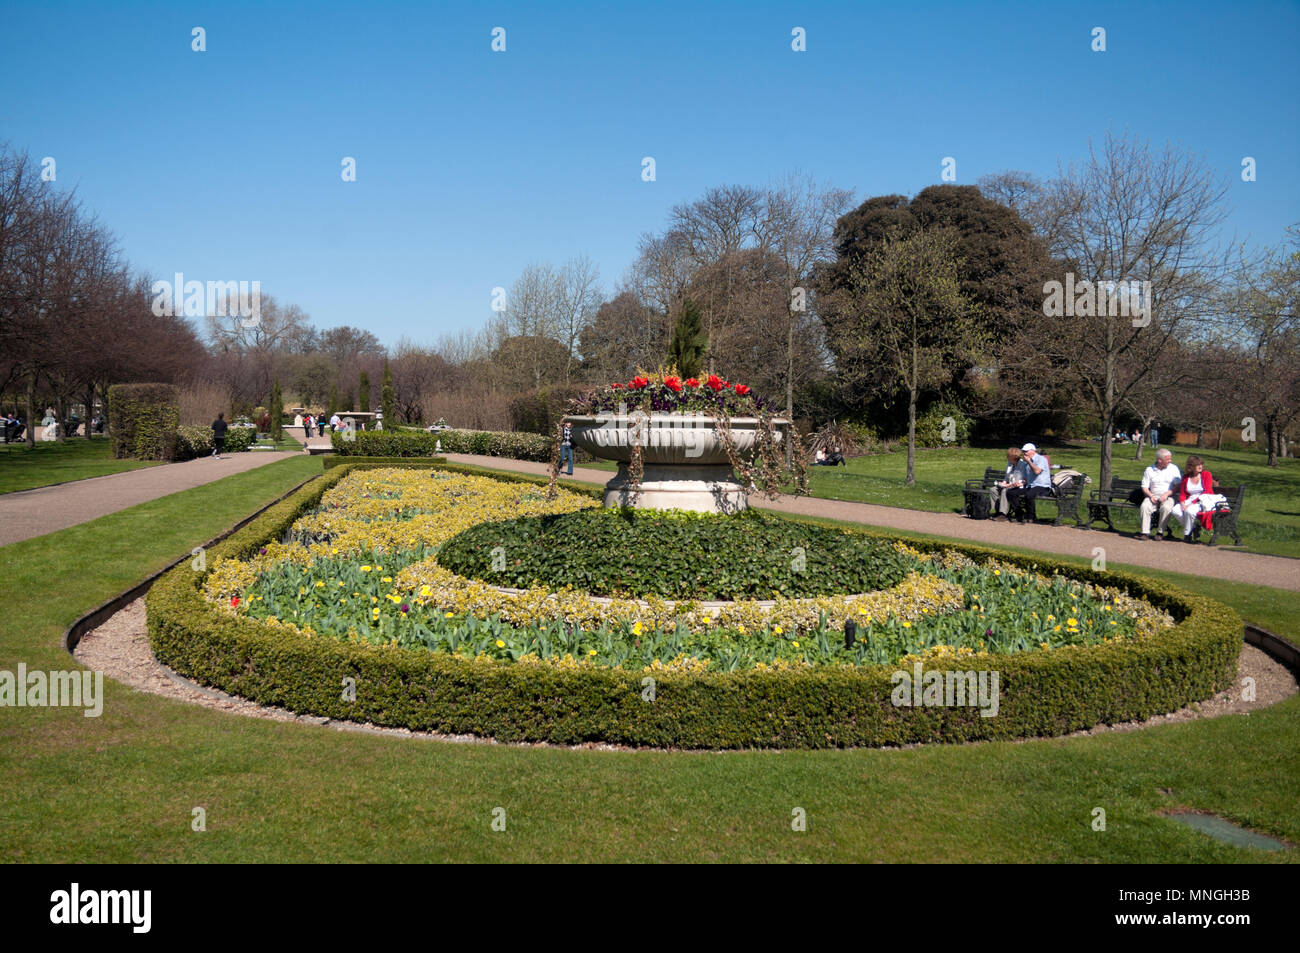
(1196, 497)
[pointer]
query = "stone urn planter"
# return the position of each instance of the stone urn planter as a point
(685, 462)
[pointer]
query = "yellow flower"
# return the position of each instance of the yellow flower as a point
(795, 644)
(365, 569)
(907, 625)
(387, 579)
(592, 652)
(319, 584)
(448, 615)
(1071, 621)
(997, 572)
(500, 644)
(636, 629)
(1057, 629)
(778, 630)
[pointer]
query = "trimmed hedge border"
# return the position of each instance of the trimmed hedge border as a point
(407, 443)
(1042, 693)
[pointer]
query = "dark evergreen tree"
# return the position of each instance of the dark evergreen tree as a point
(688, 345)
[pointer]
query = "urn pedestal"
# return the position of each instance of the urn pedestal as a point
(685, 463)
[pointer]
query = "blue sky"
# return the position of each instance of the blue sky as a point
(470, 164)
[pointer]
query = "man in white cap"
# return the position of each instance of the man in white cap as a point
(1038, 482)
(1159, 483)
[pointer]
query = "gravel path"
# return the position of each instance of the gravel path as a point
(47, 509)
(1279, 572)
(120, 649)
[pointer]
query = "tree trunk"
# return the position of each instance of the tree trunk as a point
(789, 389)
(911, 438)
(1272, 441)
(1107, 441)
(1200, 437)
(31, 412)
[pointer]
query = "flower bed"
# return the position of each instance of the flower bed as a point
(727, 684)
(658, 393)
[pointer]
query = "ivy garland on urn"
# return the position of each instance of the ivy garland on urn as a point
(662, 399)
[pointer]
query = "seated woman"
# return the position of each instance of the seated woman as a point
(1196, 497)
(1015, 477)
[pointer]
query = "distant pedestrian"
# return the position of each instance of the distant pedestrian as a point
(219, 428)
(1155, 439)
(334, 423)
(566, 447)
(307, 422)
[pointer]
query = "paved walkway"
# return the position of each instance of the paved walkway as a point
(1277, 571)
(48, 509)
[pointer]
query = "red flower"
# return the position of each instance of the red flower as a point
(714, 382)
(742, 389)
(692, 382)
(616, 386)
(638, 383)
(673, 384)
(234, 601)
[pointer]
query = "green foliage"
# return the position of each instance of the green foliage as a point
(364, 394)
(931, 426)
(406, 443)
(276, 411)
(194, 442)
(689, 343)
(142, 420)
(1040, 693)
(238, 439)
(388, 400)
(539, 412)
(631, 553)
(333, 406)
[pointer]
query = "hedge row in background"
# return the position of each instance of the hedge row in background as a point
(1041, 693)
(194, 442)
(406, 443)
(142, 421)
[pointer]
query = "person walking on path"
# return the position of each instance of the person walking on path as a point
(566, 447)
(219, 428)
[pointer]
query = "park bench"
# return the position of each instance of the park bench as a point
(1067, 501)
(1120, 495)
(1225, 516)
(976, 485)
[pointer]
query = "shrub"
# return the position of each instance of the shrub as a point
(238, 439)
(540, 411)
(1040, 693)
(932, 426)
(193, 442)
(142, 420)
(634, 554)
(405, 443)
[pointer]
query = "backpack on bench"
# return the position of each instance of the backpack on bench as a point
(980, 507)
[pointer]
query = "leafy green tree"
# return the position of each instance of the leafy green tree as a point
(904, 327)
(277, 412)
(333, 401)
(363, 394)
(687, 347)
(387, 400)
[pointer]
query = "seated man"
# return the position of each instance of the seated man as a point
(1038, 482)
(1159, 484)
(1014, 477)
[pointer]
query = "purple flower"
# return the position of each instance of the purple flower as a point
(405, 607)
(262, 551)
(988, 632)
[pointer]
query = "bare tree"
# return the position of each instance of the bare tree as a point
(1128, 218)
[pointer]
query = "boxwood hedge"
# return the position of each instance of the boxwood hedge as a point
(411, 443)
(1041, 693)
(639, 553)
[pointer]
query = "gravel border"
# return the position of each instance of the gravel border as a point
(120, 649)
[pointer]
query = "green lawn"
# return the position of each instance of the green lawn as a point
(121, 788)
(46, 463)
(1270, 521)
